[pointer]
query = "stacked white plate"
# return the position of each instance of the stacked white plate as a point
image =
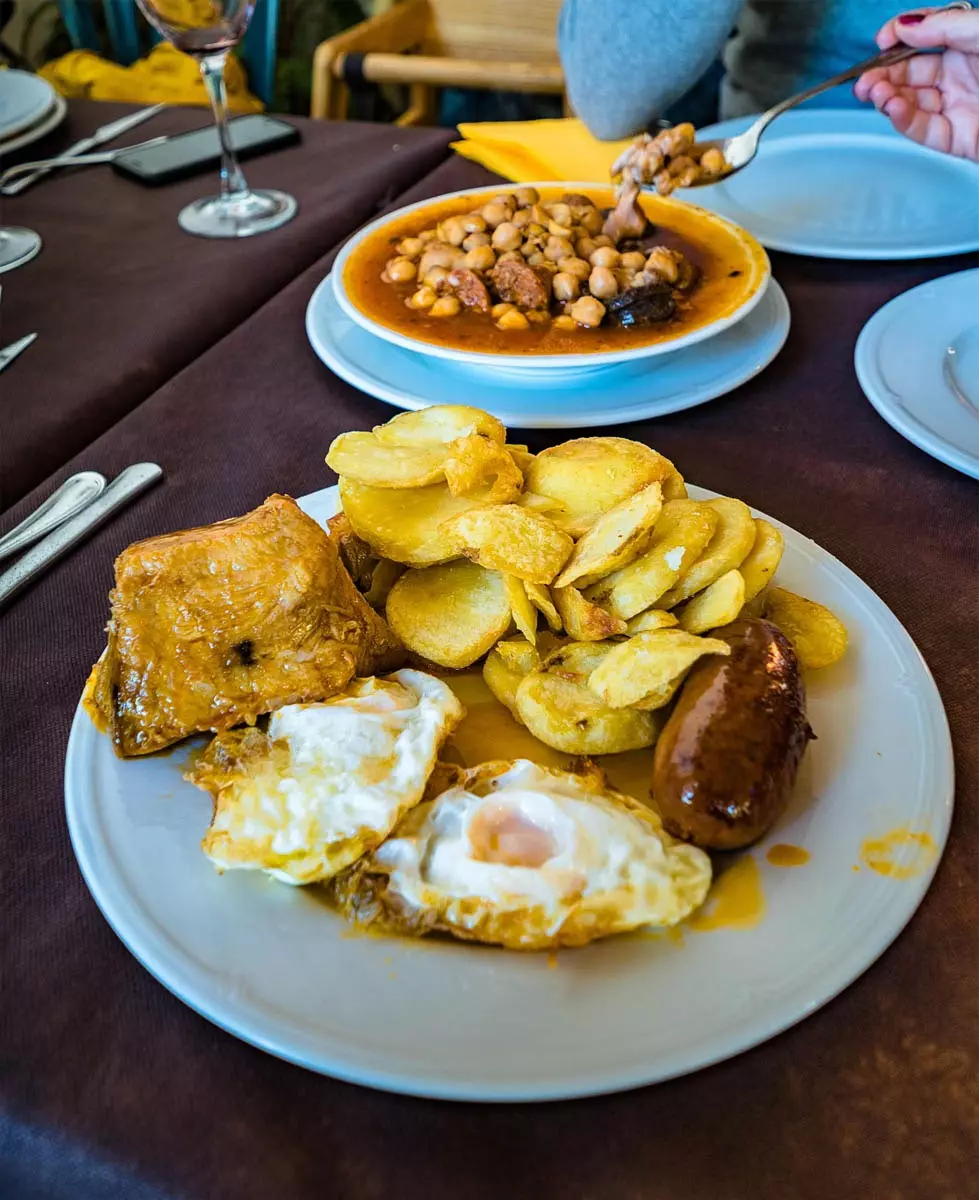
(545, 391)
(29, 109)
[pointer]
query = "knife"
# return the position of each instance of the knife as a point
(126, 486)
(104, 134)
(9, 353)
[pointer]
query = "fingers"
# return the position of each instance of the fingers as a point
(928, 129)
(956, 30)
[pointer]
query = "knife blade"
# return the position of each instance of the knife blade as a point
(104, 133)
(126, 486)
(9, 353)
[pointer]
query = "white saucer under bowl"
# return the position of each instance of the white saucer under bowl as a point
(50, 121)
(842, 183)
(24, 100)
(917, 360)
(630, 392)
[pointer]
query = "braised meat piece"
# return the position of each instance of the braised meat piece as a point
(522, 285)
(649, 304)
(469, 288)
(215, 626)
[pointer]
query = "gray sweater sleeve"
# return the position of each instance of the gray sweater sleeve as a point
(625, 61)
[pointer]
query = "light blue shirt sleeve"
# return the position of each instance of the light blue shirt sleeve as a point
(626, 61)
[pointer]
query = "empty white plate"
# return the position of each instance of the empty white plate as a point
(607, 396)
(24, 100)
(50, 121)
(838, 183)
(275, 966)
(917, 360)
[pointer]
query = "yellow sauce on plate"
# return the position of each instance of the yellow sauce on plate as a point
(782, 854)
(901, 854)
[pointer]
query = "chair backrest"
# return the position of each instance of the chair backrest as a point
(495, 30)
(129, 34)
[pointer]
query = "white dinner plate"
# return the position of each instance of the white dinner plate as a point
(24, 100)
(917, 360)
(839, 183)
(629, 392)
(48, 123)
(274, 966)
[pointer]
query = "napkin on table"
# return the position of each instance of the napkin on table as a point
(525, 151)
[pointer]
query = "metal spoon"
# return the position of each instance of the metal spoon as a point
(75, 493)
(738, 151)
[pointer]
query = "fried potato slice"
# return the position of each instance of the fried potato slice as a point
(617, 537)
(717, 605)
(819, 637)
(650, 620)
(588, 476)
(451, 614)
(508, 538)
(763, 558)
(476, 462)
(683, 530)
(505, 667)
(405, 525)
(569, 717)
(540, 598)
(362, 457)
(542, 504)
(728, 548)
(576, 660)
(584, 620)
(524, 613)
(439, 424)
(673, 486)
(646, 671)
(383, 578)
(521, 456)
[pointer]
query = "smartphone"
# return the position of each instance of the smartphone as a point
(188, 154)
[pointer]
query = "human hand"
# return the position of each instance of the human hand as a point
(932, 98)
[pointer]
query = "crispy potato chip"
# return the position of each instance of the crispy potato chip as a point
(476, 462)
(521, 456)
(362, 457)
(524, 613)
(673, 486)
(684, 528)
(542, 504)
(576, 660)
(450, 615)
(651, 619)
(728, 548)
(819, 637)
(717, 605)
(647, 670)
(588, 476)
(584, 620)
(617, 537)
(509, 538)
(383, 578)
(439, 424)
(505, 667)
(540, 598)
(763, 558)
(406, 525)
(569, 717)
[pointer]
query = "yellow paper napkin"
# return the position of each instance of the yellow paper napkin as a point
(525, 151)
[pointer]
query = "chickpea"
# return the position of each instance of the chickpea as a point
(634, 261)
(605, 256)
(423, 298)
(603, 239)
(591, 221)
(505, 200)
(453, 231)
(436, 256)
(588, 312)
(510, 256)
(713, 161)
(539, 316)
(602, 283)
(560, 213)
(427, 235)
(565, 323)
(474, 240)
(521, 218)
(513, 320)
(557, 230)
(526, 196)
(665, 183)
(688, 177)
(539, 214)
(576, 267)
(494, 214)
(566, 287)
(558, 248)
(435, 277)
(586, 247)
(536, 259)
(499, 310)
(506, 236)
(445, 306)
(400, 270)
(680, 165)
(662, 263)
(411, 247)
(480, 258)
(473, 223)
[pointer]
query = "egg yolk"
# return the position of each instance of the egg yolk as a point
(498, 834)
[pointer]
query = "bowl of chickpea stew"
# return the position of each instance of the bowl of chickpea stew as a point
(527, 279)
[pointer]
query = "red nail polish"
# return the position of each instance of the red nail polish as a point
(910, 18)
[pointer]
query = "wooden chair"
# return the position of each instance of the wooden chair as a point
(505, 45)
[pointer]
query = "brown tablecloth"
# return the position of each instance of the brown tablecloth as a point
(114, 1088)
(123, 299)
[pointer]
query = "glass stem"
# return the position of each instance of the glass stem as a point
(212, 69)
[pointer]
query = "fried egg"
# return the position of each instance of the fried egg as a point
(530, 858)
(328, 781)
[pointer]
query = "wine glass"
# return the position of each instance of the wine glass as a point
(207, 30)
(17, 246)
